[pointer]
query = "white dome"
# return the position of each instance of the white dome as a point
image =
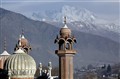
(3, 57)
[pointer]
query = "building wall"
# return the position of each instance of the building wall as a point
(1, 64)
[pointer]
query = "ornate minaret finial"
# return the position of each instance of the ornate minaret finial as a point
(22, 31)
(64, 19)
(19, 42)
(5, 43)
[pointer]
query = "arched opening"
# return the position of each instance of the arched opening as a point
(69, 44)
(61, 44)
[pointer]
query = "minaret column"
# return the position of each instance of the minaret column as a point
(65, 63)
(65, 52)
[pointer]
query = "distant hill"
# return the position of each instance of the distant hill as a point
(92, 49)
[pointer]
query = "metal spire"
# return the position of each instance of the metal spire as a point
(22, 31)
(22, 35)
(65, 25)
(64, 19)
(5, 43)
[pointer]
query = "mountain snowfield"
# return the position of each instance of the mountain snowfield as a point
(80, 19)
(74, 14)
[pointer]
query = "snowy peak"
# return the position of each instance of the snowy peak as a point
(72, 14)
(75, 14)
(81, 19)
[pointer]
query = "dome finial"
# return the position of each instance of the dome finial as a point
(22, 31)
(22, 36)
(65, 22)
(64, 19)
(19, 42)
(5, 52)
(5, 43)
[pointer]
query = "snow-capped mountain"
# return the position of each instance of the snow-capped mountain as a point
(80, 19)
(110, 31)
(72, 14)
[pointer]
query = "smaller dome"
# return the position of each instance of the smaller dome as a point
(5, 53)
(3, 57)
(23, 43)
(65, 31)
(23, 40)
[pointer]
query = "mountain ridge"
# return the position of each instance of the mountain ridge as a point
(80, 19)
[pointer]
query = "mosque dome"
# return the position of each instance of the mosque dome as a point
(3, 57)
(20, 65)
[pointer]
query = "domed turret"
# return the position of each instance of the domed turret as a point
(65, 31)
(20, 65)
(3, 56)
(65, 39)
(23, 43)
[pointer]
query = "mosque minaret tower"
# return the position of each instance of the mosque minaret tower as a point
(65, 52)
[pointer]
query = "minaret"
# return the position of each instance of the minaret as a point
(49, 69)
(65, 52)
(23, 43)
(40, 69)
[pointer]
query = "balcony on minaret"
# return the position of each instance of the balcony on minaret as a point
(62, 52)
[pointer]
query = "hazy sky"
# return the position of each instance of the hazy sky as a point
(108, 9)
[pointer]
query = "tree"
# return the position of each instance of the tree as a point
(109, 70)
